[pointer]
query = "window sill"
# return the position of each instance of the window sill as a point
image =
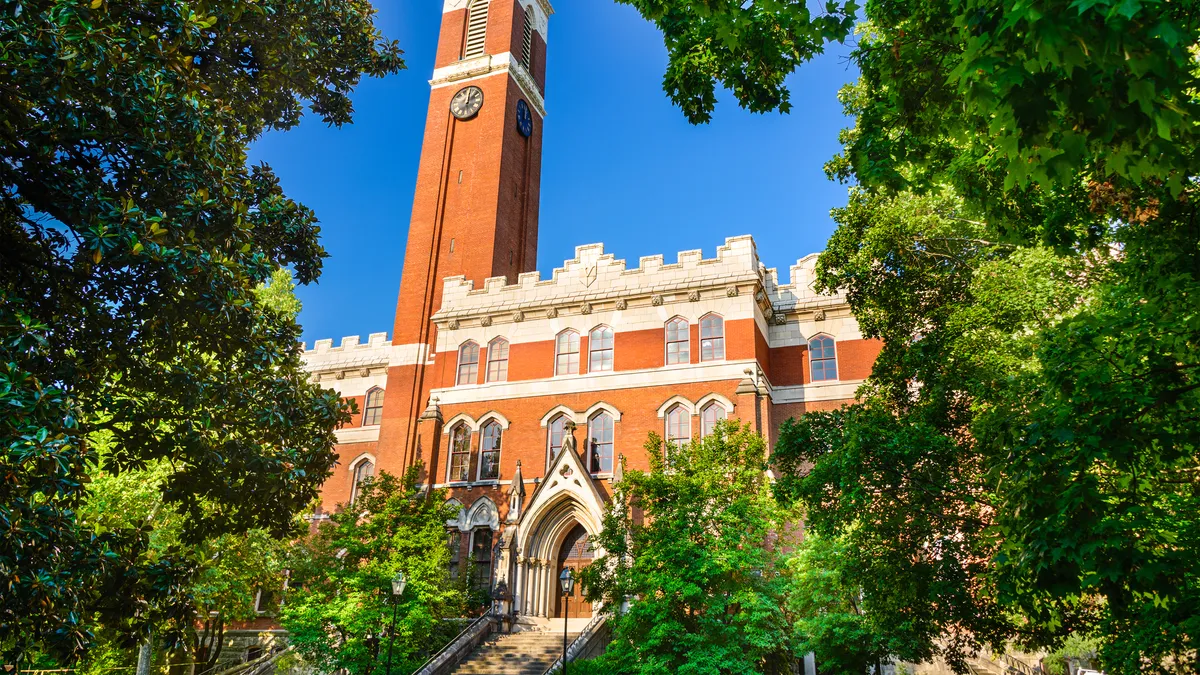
(491, 482)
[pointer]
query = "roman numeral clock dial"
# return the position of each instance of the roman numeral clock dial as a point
(466, 103)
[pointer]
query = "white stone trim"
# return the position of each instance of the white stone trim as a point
(555, 412)
(483, 513)
(362, 457)
(454, 421)
(597, 407)
(817, 391)
(408, 355)
(351, 435)
(688, 373)
(672, 402)
(479, 67)
(542, 12)
(493, 415)
(709, 398)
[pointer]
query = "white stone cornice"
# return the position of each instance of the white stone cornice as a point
(488, 65)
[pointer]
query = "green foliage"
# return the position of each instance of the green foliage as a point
(696, 544)
(132, 238)
(829, 619)
(749, 47)
(1023, 238)
(340, 605)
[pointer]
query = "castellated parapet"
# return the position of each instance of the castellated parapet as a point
(594, 276)
(348, 355)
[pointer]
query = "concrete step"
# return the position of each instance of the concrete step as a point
(525, 653)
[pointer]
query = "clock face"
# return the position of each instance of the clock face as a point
(524, 118)
(466, 103)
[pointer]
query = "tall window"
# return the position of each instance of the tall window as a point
(468, 363)
(460, 453)
(527, 40)
(566, 353)
(679, 426)
(554, 437)
(373, 409)
(678, 341)
(823, 358)
(481, 553)
(600, 443)
(709, 417)
(712, 338)
(362, 471)
(455, 543)
(497, 365)
(477, 17)
(600, 349)
(489, 451)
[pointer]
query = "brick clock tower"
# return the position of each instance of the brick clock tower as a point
(475, 210)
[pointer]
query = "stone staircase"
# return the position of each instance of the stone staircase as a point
(524, 653)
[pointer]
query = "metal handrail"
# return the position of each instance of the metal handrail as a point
(1017, 664)
(487, 616)
(585, 633)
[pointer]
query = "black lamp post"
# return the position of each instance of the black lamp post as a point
(567, 582)
(398, 584)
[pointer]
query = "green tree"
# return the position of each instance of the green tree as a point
(339, 609)
(1024, 241)
(693, 544)
(829, 618)
(132, 237)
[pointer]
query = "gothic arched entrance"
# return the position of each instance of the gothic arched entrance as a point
(574, 554)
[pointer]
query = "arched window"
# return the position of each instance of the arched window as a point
(712, 338)
(600, 443)
(566, 353)
(679, 426)
(600, 349)
(489, 451)
(555, 433)
(477, 17)
(468, 363)
(481, 553)
(460, 454)
(362, 471)
(497, 360)
(709, 417)
(822, 358)
(678, 341)
(373, 408)
(527, 40)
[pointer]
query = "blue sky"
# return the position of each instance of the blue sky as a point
(621, 165)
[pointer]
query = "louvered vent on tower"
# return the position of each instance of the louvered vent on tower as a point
(477, 18)
(527, 40)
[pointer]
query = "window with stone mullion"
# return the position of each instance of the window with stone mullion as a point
(600, 443)
(678, 342)
(566, 360)
(460, 454)
(712, 338)
(600, 349)
(489, 452)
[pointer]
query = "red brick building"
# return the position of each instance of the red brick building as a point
(490, 365)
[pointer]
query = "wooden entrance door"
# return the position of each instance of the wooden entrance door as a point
(575, 554)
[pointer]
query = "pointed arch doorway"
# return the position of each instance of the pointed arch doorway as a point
(575, 554)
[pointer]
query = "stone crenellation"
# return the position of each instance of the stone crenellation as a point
(594, 276)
